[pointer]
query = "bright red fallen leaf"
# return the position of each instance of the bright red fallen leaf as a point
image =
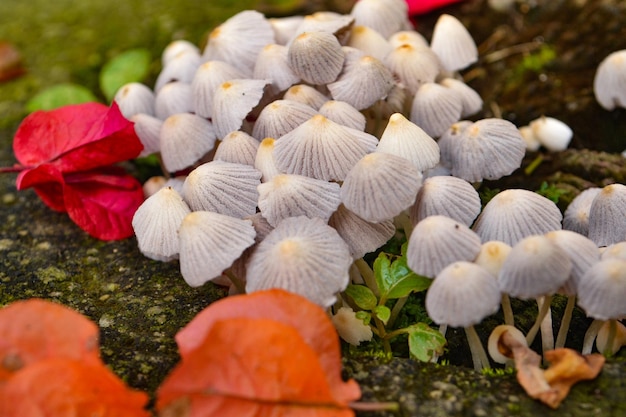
(34, 330)
(309, 319)
(65, 387)
(425, 6)
(67, 154)
(10, 62)
(253, 368)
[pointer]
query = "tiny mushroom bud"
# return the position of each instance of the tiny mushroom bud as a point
(553, 134)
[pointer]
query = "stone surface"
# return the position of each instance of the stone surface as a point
(139, 304)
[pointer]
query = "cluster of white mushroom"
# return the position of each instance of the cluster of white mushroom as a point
(289, 182)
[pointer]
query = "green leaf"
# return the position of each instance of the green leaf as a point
(363, 315)
(130, 66)
(60, 95)
(396, 280)
(362, 296)
(383, 313)
(382, 273)
(425, 342)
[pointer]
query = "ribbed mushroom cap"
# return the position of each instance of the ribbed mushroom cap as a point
(435, 108)
(380, 186)
(148, 130)
(262, 228)
(453, 44)
(264, 160)
(135, 98)
(414, 66)
(319, 148)
(362, 83)
(344, 114)
(582, 252)
(237, 147)
(369, 41)
(361, 236)
(447, 196)
(304, 256)
(272, 64)
(306, 94)
(602, 290)
(232, 102)
(207, 79)
(438, 241)
(210, 243)
(176, 48)
(316, 57)
(576, 216)
(184, 139)
(514, 214)
(408, 37)
(449, 140)
(462, 295)
(239, 40)
(470, 99)
(285, 27)
(173, 98)
(535, 267)
(404, 138)
(180, 67)
(280, 117)
(615, 251)
(288, 195)
(492, 256)
(325, 21)
(224, 188)
(607, 214)
(384, 16)
(156, 224)
(609, 83)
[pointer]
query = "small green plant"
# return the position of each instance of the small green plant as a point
(551, 191)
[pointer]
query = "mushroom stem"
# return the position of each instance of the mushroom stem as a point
(403, 221)
(443, 328)
(547, 334)
(239, 284)
(509, 319)
(590, 336)
(400, 302)
(368, 275)
(565, 321)
(479, 356)
(545, 307)
(608, 351)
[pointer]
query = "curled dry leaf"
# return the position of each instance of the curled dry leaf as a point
(10, 62)
(551, 386)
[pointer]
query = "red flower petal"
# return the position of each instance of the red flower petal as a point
(425, 6)
(48, 183)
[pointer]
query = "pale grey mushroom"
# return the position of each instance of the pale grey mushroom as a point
(316, 57)
(344, 114)
(233, 101)
(306, 94)
(148, 130)
(609, 83)
(207, 79)
(237, 147)
(576, 216)
(453, 44)
(134, 98)
(180, 67)
(384, 16)
(369, 41)
(435, 108)
(607, 214)
(281, 117)
(173, 98)
(185, 138)
(272, 64)
(413, 65)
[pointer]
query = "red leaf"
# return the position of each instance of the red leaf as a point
(66, 387)
(34, 330)
(253, 368)
(309, 319)
(425, 6)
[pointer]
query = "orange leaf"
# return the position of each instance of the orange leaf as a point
(252, 368)
(309, 319)
(65, 387)
(35, 329)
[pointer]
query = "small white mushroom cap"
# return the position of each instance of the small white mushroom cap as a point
(176, 48)
(135, 98)
(614, 251)
(304, 256)
(380, 186)
(470, 99)
(576, 216)
(535, 267)
(148, 130)
(438, 241)
(223, 187)
(306, 94)
(408, 37)
(384, 16)
(232, 102)
(237, 147)
(280, 117)
(492, 256)
(514, 214)
(180, 67)
(487, 149)
(404, 138)
(288, 195)
(582, 252)
(413, 66)
(285, 27)
(369, 41)
(316, 57)
(184, 139)
(362, 83)
(272, 64)
(156, 224)
(453, 44)
(449, 140)
(173, 98)
(325, 21)
(607, 214)
(207, 79)
(462, 295)
(239, 40)
(602, 290)
(210, 243)
(552, 133)
(435, 108)
(361, 236)
(609, 83)
(319, 148)
(344, 114)
(532, 143)
(447, 196)
(264, 160)
(350, 328)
